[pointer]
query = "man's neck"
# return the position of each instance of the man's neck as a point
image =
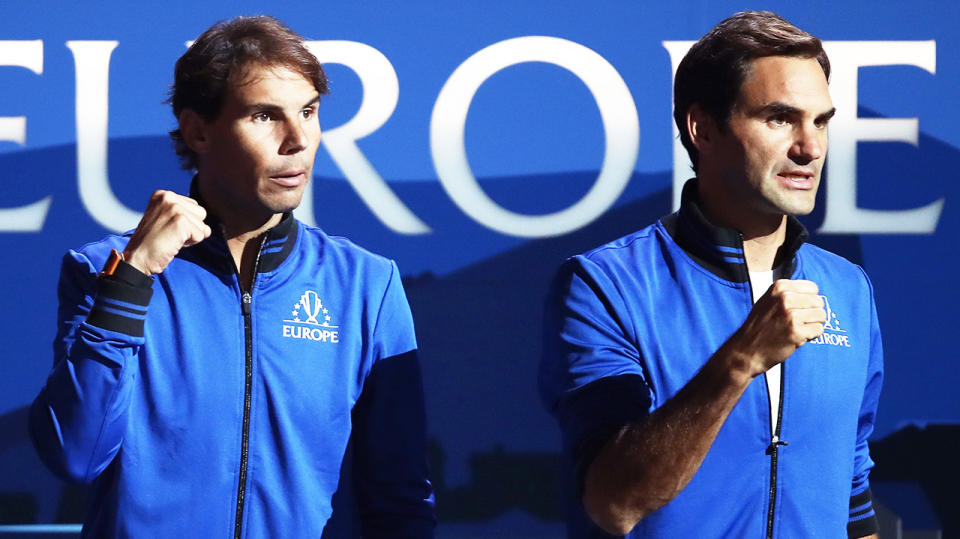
(763, 234)
(244, 246)
(760, 251)
(241, 230)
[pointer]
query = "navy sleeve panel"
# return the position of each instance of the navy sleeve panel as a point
(587, 333)
(595, 413)
(591, 378)
(394, 496)
(863, 518)
(78, 418)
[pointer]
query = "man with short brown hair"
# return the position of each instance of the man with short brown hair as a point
(714, 375)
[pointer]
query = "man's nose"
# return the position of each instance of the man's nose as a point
(809, 144)
(294, 138)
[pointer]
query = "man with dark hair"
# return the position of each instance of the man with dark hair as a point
(713, 375)
(211, 366)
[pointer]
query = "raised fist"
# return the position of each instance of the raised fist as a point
(170, 222)
(788, 315)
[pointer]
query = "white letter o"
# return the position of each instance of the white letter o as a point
(617, 111)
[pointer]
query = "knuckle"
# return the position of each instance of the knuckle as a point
(795, 325)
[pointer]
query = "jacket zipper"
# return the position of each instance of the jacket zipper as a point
(246, 301)
(775, 442)
(774, 450)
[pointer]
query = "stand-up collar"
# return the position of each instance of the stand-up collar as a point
(720, 249)
(276, 245)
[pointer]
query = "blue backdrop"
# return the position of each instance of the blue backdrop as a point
(479, 144)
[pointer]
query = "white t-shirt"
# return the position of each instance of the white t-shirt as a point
(760, 282)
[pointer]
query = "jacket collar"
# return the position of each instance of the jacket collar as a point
(719, 249)
(277, 242)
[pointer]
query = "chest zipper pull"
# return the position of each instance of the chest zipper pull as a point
(245, 303)
(774, 443)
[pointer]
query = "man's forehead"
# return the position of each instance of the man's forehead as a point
(258, 80)
(785, 79)
(250, 72)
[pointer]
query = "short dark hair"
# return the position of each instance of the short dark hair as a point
(221, 54)
(714, 69)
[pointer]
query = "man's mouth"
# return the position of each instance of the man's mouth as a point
(797, 179)
(290, 178)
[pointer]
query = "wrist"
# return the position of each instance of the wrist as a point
(734, 364)
(130, 257)
(118, 269)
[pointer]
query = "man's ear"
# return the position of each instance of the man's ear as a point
(193, 129)
(701, 127)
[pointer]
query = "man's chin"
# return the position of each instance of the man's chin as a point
(284, 208)
(798, 209)
(283, 202)
(796, 203)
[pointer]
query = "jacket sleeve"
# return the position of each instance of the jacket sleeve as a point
(394, 496)
(78, 419)
(591, 378)
(863, 519)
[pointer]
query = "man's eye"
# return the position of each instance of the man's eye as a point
(261, 117)
(306, 114)
(778, 120)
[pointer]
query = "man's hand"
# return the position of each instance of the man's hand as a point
(787, 316)
(170, 223)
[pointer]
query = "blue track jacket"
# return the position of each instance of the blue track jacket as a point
(198, 410)
(634, 320)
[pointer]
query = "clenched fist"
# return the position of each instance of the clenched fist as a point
(787, 316)
(170, 223)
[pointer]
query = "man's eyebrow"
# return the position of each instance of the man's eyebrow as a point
(273, 107)
(827, 115)
(261, 107)
(777, 108)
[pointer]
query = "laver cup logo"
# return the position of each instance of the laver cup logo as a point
(311, 320)
(833, 334)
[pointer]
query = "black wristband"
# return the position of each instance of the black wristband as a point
(121, 301)
(131, 275)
